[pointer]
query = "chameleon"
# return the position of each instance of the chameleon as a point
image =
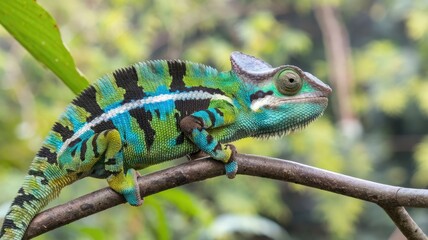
(159, 110)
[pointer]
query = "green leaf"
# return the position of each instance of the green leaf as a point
(162, 229)
(186, 203)
(37, 31)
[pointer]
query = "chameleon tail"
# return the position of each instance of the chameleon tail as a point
(43, 183)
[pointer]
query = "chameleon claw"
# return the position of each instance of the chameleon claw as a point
(232, 149)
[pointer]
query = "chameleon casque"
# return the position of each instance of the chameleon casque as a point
(159, 110)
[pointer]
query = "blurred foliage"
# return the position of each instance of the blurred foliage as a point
(389, 96)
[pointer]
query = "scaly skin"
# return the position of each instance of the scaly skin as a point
(161, 110)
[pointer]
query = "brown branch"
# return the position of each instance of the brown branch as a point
(405, 223)
(389, 197)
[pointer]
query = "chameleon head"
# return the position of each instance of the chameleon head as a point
(282, 99)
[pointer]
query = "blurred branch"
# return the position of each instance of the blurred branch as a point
(338, 54)
(390, 198)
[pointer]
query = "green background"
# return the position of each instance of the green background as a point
(374, 128)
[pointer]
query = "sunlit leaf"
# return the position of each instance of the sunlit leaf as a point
(37, 31)
(417, 24)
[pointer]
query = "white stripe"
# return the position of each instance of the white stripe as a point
(261, 102)
(193, 95)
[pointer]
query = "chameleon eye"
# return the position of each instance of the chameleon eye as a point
(288, 82)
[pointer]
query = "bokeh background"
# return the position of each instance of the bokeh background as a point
(373, 53)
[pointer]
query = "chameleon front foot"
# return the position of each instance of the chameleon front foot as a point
(231, 169)
(231, 166)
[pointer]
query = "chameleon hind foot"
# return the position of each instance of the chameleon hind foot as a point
(231, 166)
(127, 185)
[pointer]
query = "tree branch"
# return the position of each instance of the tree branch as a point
(391, 198)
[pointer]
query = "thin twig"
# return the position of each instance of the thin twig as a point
(385, 195)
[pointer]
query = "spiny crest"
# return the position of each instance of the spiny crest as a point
(205, 69)
(193, 69)
(125, 74)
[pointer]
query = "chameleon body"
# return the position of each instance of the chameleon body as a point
(159, 110)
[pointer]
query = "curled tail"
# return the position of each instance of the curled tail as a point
(43, 183)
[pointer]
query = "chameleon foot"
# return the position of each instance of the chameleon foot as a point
(133, 196)
(231, 167)
(127, 185)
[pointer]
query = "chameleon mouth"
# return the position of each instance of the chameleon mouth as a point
(295, 125)
(318, 100)
(272, 102)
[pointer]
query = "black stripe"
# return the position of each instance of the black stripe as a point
(74, 142)
(199, 123)
(51, 156)
(205, 89)
(103, 126)
(95, 146)
(177, 70)
(83, 149)
(180, 139)
(64, 131)
(211, 116)
(219, 112)
(178, 118)
(8, 224)
(259, 94)
(88, 101)
(23, 197)
(210, 139)
(186, 108)
(143, 119)
(127, 79)
(41, 174)
(111, 161)
(73, 153)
